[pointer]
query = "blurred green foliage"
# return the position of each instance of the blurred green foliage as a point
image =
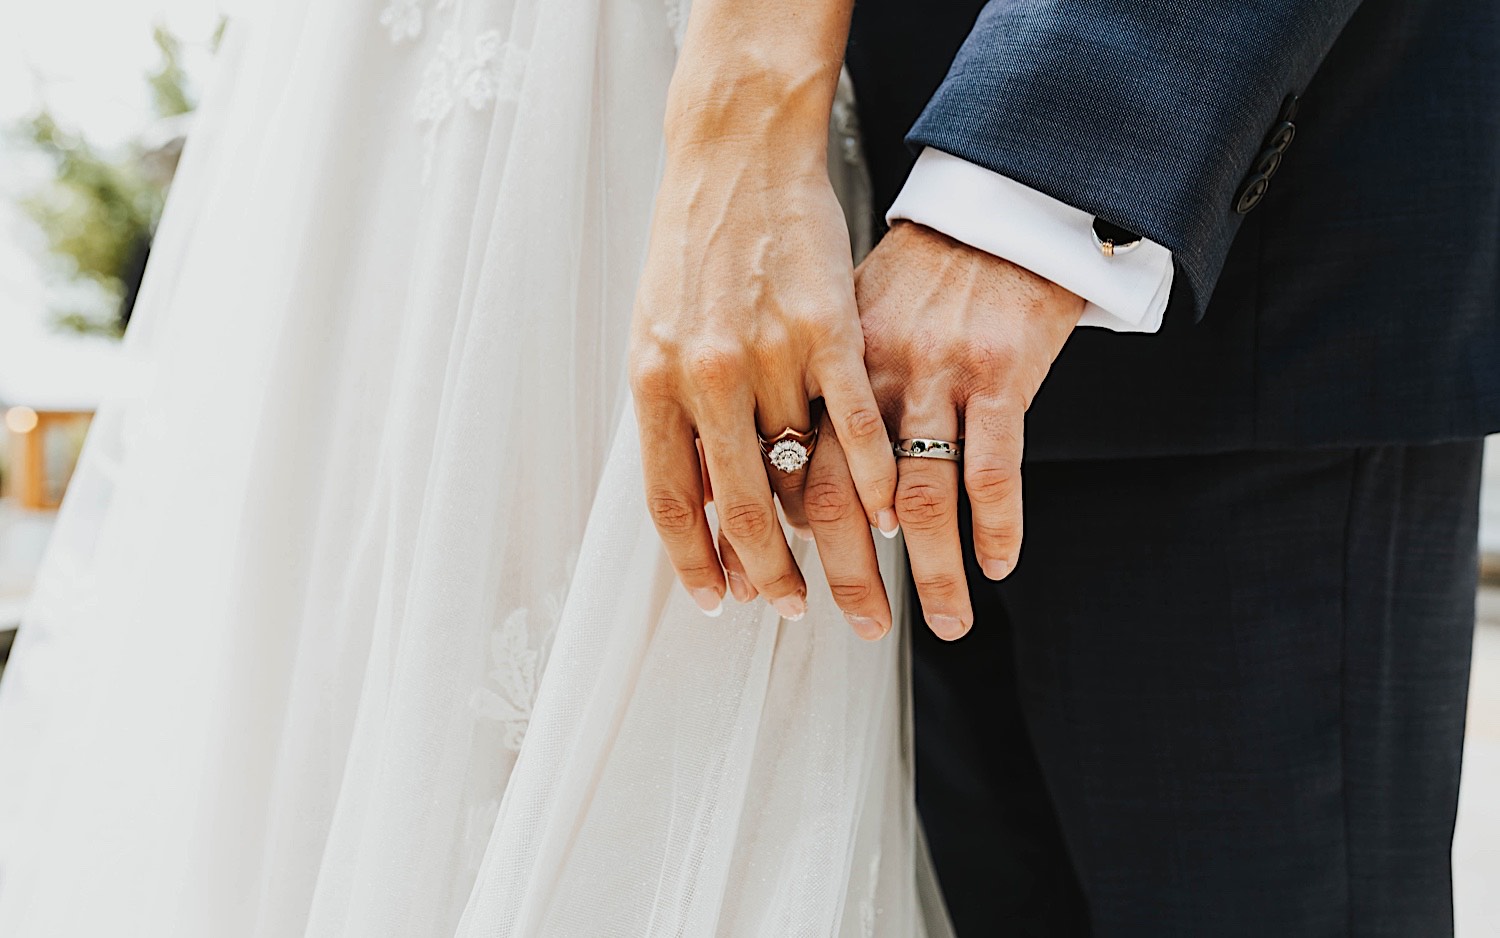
(95, 212)
(169, 81)
(99, 210)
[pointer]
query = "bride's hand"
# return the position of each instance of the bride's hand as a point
(745, 313)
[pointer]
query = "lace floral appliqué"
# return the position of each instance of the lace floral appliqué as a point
(511, 680)
(494, 71)
(402, 19)
(486, 69)
(435, 94)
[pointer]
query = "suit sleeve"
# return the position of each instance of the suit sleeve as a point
(1151, 115)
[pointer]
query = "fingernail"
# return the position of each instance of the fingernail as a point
(885, 520)
(947, 627)
(709, 601)
(996, 569)
(803, 533)
(790, 607)
(741, 588)
(864, 626)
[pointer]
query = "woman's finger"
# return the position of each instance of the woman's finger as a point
(747, 516)
(674, 497)
(856, 418)
(845, 543)
(739, 581)
(788, 410)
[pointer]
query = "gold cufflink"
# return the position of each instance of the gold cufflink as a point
(1112, 239)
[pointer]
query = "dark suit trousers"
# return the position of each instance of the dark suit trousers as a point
(1221, 696)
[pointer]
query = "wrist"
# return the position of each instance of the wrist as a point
(995, 278)
(751, 102)
(758, 73)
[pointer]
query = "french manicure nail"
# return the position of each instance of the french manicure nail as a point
(802, 533)
(790, 607)
(885, 520)
(864, 626)
(709, 601)
(947, 627)
(741, 588)
(996, 569)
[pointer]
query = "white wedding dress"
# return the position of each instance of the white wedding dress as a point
(354, 622)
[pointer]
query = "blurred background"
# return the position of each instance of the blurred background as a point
(96, 99)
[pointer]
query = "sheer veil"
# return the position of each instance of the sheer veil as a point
(354, 622)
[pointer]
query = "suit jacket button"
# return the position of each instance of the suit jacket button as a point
(1267, 163)
(1281, 136)
(1253, 191)
(1289, 108)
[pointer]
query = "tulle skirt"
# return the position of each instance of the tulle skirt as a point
(354, 622)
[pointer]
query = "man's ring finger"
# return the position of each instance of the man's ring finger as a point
(924, 448)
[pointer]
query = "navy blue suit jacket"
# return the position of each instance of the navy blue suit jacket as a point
(1344, 291)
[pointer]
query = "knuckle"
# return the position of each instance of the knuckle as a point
(714, 369)
(990, 358)
(745, 521)
(673, 514)
(921, 504)
(863, 425)
(940, 585)
(989, 480)
(783, 584)
(996, 536)
(850, 593)
(650, 377)
(841, 317)
(697, 573)
(984, 366)
(826, 501)
(833, 329)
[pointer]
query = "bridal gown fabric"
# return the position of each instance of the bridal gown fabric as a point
(354, 622)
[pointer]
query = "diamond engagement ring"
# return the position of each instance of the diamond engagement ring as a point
(922, 448)
(790, 449)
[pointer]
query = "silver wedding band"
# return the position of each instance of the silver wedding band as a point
(923, 448)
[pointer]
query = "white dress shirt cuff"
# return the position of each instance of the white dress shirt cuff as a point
(1126, 293)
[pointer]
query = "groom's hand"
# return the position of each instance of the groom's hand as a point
(957, 341)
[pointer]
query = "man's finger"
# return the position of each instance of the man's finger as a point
(992, 474)
(851, 405)
(747, 516)
(844, 539)
(674, 496)
(927, 506)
